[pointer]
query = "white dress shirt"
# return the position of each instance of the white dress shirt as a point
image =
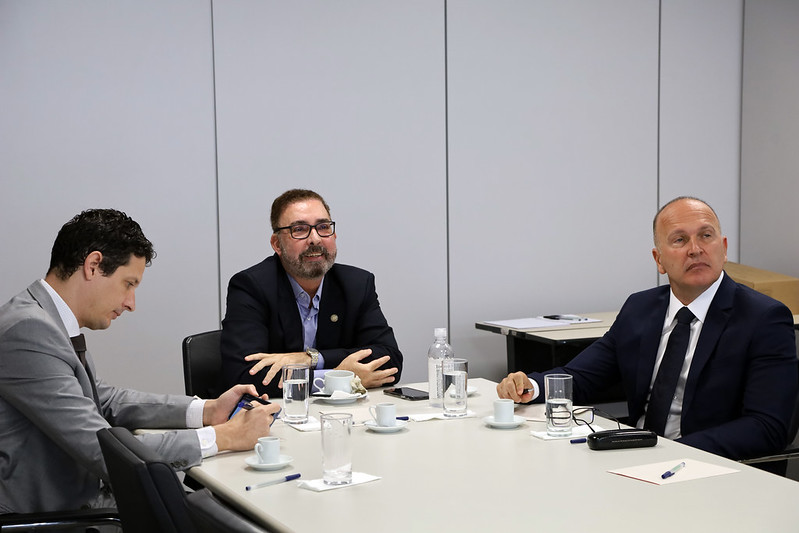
(699, 308)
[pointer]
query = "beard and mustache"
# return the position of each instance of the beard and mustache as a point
(300, 269)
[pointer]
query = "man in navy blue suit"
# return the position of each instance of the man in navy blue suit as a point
(299, 306)
(737, 383)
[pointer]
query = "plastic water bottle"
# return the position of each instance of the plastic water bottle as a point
(435, 357)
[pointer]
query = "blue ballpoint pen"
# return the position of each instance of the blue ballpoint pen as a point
(273, 482)
(673, 471)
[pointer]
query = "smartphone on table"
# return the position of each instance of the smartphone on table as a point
(407, 393)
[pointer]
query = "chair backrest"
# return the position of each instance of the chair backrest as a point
(149, 495)
(202, 361)
(212, 516)
(778, 463)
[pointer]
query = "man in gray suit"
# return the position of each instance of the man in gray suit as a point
(51, 405)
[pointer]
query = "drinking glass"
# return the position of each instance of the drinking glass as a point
(295, 393)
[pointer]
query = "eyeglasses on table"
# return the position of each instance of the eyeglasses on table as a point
(584, 416)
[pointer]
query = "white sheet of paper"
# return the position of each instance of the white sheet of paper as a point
(318, 485)
(538, 322)
(528, 323)
(312, 424)
(577, 432)
(693, 469)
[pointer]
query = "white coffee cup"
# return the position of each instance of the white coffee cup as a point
(268, 450)
(335, 380)
(385, 414)
(503, 411)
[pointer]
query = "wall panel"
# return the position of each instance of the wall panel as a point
(552, 158)
(548, 116)
(345, 98)
(700, 106)
(110, 104)
(770, 135)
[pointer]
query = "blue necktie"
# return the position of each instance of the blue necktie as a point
(669, 372)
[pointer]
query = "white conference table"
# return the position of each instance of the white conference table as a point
(460, 475)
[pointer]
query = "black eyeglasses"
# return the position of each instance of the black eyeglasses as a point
(584, 416)
(302, 231)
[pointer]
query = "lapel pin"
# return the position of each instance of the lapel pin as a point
(334, 318)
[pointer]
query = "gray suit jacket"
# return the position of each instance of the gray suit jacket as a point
(50, 458)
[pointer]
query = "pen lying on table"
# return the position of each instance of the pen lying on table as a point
(569, 318)
(272, 482)
(668, 473)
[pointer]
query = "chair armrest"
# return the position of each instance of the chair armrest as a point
(56, 520)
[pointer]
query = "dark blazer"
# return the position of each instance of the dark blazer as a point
(742, 384)
(262, 316)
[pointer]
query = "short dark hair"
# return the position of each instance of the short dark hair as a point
(108, 231)
(282, 202)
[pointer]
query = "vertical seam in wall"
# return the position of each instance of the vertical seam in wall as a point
(446, 168)
(657, 156)
(741, 139)
(216, 175)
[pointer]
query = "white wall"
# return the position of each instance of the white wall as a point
(770, 136)
(485, 159)
(552, 158)
(700, 106)
(110, 104)
(346, 99)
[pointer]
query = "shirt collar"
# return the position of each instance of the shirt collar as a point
(303, 297)
(698, 307)
(66, 314)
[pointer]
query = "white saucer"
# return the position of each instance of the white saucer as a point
(517, 421)
(470, 390)
(372, 425)
(341, 401)
(252, 461)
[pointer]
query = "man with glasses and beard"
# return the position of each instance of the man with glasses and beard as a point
(298, 306)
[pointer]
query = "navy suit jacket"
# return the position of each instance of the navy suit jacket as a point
(262, 316)
(742, 385)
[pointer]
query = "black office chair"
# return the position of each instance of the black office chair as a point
(89, 520)
(149, 495)
(778, 463)
(212, 516)
(202, 362)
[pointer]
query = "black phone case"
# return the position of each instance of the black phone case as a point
(615, 439)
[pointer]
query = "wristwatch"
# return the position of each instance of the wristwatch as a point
(313, 353)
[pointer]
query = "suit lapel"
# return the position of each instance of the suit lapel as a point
(40, 294)
(718, 314)
(650, 341)
(331, 311)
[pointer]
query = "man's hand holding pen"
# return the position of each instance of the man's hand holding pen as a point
(517, 387)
